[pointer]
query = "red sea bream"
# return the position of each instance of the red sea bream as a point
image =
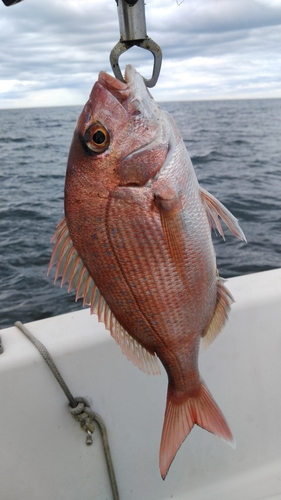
(136, 245)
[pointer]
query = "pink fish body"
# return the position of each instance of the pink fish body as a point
(136, 244)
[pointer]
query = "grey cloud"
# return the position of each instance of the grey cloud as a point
(217, 16)
(260, 40)
(59, 44)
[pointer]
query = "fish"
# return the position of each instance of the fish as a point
(136, 245)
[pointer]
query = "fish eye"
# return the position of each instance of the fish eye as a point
(97, 138)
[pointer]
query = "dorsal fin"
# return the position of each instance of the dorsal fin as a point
(72, 269)
(224, 301)
(215, 208)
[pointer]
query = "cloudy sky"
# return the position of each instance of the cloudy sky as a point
(52, 50)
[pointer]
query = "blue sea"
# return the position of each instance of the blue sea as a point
(235, 147)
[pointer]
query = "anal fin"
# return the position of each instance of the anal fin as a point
(223, 304)
(69, 265)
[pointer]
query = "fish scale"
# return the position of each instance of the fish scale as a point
(151, 293)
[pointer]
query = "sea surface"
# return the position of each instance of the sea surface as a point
(235, 147)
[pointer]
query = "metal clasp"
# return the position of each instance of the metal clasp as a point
(132, 24)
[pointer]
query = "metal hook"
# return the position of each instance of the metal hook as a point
(132, 24)
(147, 44)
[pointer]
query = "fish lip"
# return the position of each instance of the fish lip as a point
(130, 76)
(127, 90)
(108, 81)
(121, 91)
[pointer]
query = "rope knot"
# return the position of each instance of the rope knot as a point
(83, 414)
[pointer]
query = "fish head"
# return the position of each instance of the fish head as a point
(121, 137)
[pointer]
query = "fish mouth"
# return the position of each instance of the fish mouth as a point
(120, 90)
(126, 90)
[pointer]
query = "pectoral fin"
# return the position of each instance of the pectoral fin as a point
(216, 209)
(169, 205)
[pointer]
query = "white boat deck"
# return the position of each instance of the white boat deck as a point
(43, 455)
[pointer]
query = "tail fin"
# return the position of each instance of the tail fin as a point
(181, 415)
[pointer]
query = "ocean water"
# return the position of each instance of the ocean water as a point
(235, 147)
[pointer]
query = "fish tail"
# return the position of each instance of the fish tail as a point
(180, 416)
